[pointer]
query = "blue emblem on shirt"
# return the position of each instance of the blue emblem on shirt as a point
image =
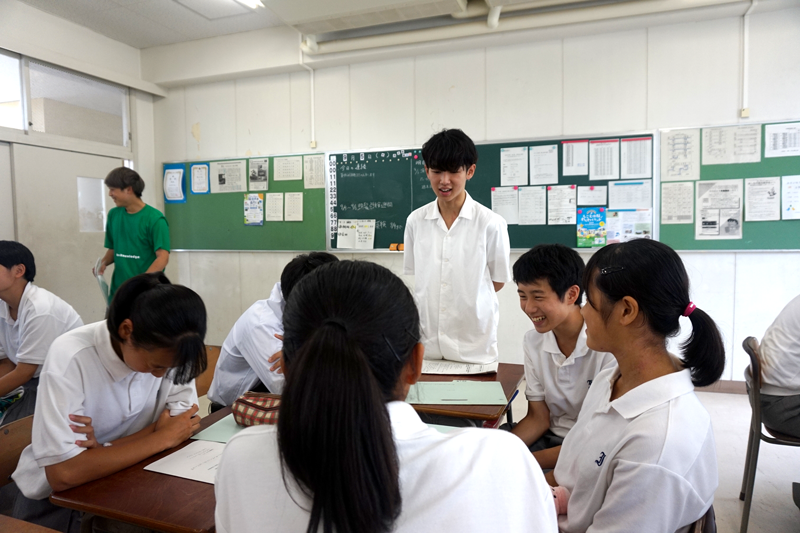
(599, 462)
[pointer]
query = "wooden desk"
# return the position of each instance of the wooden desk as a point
(148, 499)
(12, 525)
(509, 376)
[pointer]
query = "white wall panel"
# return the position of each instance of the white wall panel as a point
(450, 92)
(170, 127)
(211, 121)
(263, 115)
(382, 104)
(6, 195)
(144, 148)
(332, 110)
(301, 111)
(605, 83)
(259, 273)
(179, 268)
(694, 73)
(216, 278)
(524, 93)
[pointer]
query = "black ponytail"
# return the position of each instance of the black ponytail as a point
(350, 328)
(653, 274)
(163, 316)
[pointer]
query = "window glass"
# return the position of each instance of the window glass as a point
(10, 91)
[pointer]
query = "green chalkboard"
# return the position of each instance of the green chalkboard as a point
(216, 221)
(761, 235)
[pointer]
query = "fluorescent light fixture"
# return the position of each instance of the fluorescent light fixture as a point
(252, 4)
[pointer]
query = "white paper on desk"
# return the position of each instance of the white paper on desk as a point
(592, 195)
(259, 174)
(229, 176)
(575, 158)
(294, 207)
(732, 144)
(680, 155)
(514, 166)
(173, 184)
(762, 199)
(636, 158)
(630, 194)
(273, 207)
(198, 461)
(544, 164)
(346, 233)
(790, 198)
(782, 140)
(561, 205)
(533, 206)
(314, 171)
(718, 210)
(506, 204)
(365, 234)
(288, 168)
(451, 367)
(677, 202)
(604, 159)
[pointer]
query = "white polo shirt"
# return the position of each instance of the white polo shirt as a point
(468, 480)
(41, 317)
(453, 274)
(244, 357)
(643, 462)
(560, 381)
(84, 376)
(780, 353)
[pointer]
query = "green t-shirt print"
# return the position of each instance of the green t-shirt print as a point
(134, 239)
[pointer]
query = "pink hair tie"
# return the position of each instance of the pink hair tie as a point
(689, 308)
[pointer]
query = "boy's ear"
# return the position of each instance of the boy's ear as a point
(19, 270)
(471, 171)
(571, 296)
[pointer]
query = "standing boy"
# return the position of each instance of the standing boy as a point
(559, 367)
(458, 252)
(137, 235)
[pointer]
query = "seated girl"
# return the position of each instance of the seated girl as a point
(104, 402)
(641, 456)
(347, 453)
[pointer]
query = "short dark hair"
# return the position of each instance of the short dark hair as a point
(13, 253)
(122, 178)
(449, 150)
(561, 266)
(299, 267)
(164, 316)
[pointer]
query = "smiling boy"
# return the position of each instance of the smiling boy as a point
(458, 252)
(559, 367)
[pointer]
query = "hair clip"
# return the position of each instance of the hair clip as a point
(611, 270)
(391, 348)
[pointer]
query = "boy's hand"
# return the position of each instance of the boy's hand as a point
(84, 429)
(277, 358)
(176, 429)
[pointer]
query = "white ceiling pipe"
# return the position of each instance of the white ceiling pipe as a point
(494, 17)
(310, 43)
(744, 112)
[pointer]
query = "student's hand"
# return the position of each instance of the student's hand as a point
(101, 271)
(277, 358)
(176, 429)
(84, 429)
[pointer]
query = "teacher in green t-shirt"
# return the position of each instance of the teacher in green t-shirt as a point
(137, 235)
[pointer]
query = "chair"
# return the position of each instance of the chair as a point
(203, 381)
(753, 374)
(14, 437)
(706, 524)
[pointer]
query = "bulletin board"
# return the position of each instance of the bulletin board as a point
(215, 220)
(387, 185)
(766, 183)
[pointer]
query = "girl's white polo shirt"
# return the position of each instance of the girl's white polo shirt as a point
(84, 376)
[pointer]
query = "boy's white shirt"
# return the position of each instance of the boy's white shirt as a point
(780, 353)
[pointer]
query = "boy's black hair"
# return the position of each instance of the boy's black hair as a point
(559, 265)
(449, 150)
(13, 253)
(299, 267)
(122, 178)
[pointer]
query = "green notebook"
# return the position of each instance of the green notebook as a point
(220, 431)
(457, 393)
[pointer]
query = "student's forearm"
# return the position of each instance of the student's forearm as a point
(17, 377)
(6, 366)
(108, 258)
(136, 436)
(531, 428)
(547, 458)
(162, 258)
(497, 286)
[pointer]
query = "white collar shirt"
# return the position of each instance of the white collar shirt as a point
(453, 273)
(559, 381)
(84, 376)
(41, 317)
(780, 353)
(468, 480)
(643, 462)
(244, 356)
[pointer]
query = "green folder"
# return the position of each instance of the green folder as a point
(457, 393)
(220, 431)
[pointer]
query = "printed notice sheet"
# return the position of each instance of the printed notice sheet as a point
(629, 224)
(718, 207)
(254, 209)
(514, 166)
(173, 184)
(636, 158)
(544, 164)
(288, 168)
(259, 174)
(630, 194)
(273, 207)
(732, 144)
(592, 195)
(449, 367)
(604, 159)
(575, 158)
(504, 203)
(200, 179)
(790, 198)
(533, 206)
(677, 202)
(561, 201)
(782, 140)
(346, 233)
(314, 171)
(294, 207)
(591, 227)
(762, 199)
(197, 461)
(680, 155)
(365, 234)
(229, 176)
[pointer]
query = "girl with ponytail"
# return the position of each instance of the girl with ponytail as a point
(113, 393)
(641, 456)
(348, 455)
